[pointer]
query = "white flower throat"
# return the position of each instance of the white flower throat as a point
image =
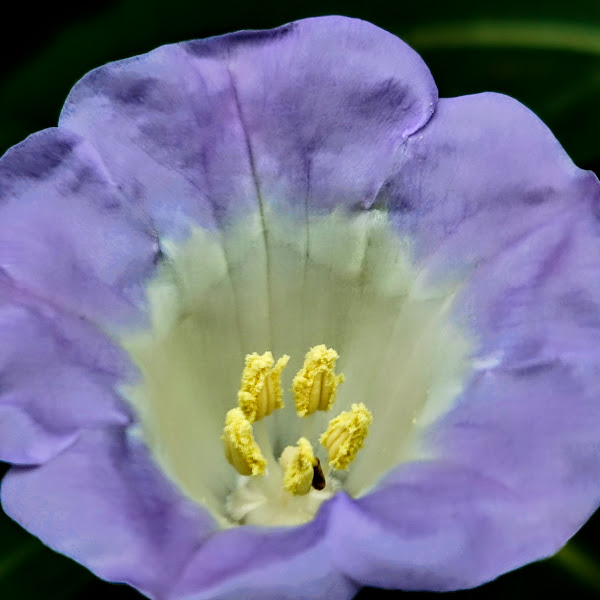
(337, 284)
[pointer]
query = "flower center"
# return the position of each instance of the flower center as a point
(345, 280)
(298, 471)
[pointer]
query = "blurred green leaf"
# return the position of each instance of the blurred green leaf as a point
(580, 565)
(509, 33)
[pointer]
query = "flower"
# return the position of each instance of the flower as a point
(223, 226)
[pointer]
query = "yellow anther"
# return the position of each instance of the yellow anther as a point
(241, 450)
(260, 390)
(315, 385)
(298, 464)
(346, 435)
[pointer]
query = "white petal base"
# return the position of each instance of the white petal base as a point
(279, 284)
(263, 501)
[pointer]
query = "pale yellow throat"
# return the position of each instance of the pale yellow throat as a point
(314, 388)
(346, 281)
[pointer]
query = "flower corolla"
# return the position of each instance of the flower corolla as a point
(277, 322)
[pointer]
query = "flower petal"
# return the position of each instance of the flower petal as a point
(105, 504)
(309, 113)
(268, 565)
(57, 376)
(434, 526)
(518, 476)
(482, 174)
(67, 236)
(493, 202)
(71, 254)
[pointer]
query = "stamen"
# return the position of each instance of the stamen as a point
(315, 385)
(298, 464)
(346, 434)
(260, 390)
(241, 450)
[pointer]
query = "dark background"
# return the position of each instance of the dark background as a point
(547, 55)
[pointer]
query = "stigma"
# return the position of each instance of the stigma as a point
(297, 473)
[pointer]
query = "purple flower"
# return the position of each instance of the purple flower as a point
(207, 209)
